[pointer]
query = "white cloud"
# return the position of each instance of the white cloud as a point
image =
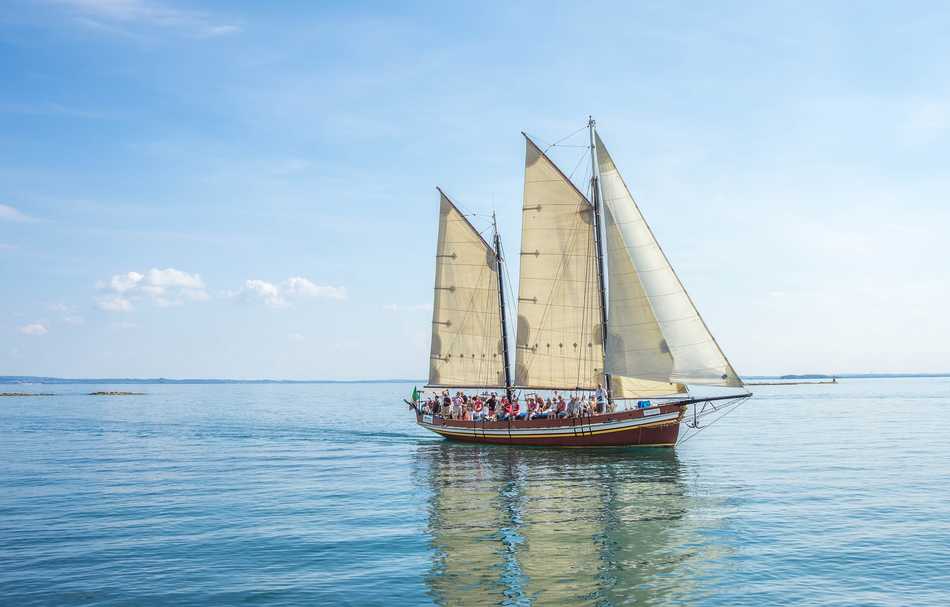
(114, 304)
(120, 283)
(34, 329)
(294, 288)
(295, 337)
(297, 286)
(171, 277)
(266, 291)
(8, 213)
(168, 287)
(146, 13)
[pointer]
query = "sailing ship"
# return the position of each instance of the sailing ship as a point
(599, 307)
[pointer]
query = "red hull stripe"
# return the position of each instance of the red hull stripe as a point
(651, 436)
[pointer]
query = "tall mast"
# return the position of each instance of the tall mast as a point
(501, 303)
(598, 220)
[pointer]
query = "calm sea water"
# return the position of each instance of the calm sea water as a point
(329, 494)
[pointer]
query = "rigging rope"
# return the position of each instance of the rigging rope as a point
(577, 166)
(734, 404)
(563, 138)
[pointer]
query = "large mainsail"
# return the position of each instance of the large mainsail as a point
(467, 347)
(655, 331)
(559, 339)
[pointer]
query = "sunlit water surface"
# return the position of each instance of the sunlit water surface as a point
(329, 494)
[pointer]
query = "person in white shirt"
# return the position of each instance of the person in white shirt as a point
(572, 407)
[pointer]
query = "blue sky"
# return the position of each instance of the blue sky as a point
(241, 189)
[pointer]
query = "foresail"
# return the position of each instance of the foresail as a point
(466, 323)
(559, 340)
(656, 333)
(635, 343)
(631, 387)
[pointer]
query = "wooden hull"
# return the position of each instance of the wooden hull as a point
(653, 427)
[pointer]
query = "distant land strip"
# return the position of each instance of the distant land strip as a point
(32, 379)
(846, 376)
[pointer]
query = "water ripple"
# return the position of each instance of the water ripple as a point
(288, 495)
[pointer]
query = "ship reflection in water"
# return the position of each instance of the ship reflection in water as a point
(559, 527)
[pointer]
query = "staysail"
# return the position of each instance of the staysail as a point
(559, 340)
(655, 331)
(467, 349)
(632, 388)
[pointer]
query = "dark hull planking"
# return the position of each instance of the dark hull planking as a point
(652, 427)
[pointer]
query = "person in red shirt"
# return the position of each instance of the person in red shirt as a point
(516, 410)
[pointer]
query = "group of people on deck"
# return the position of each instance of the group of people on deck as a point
(491, 407)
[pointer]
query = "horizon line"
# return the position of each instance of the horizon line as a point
(14, 379)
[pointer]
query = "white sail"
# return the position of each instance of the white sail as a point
(635, 344)
(466, 322)
(631, 387)
(656, 333)
(559, 340)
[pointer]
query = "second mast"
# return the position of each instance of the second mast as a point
(501, 303)
(598, 240)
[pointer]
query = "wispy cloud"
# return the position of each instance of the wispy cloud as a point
(926, 121)
(49, 109)
(168, 287)
(34, 329)
(8, 213)
(289, 166)
(108, 303)
(408, 308)
(67, 314)
(108, 14)
(285, 293)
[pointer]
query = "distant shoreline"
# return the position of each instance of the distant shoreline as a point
(30, 379)
(846, 376)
